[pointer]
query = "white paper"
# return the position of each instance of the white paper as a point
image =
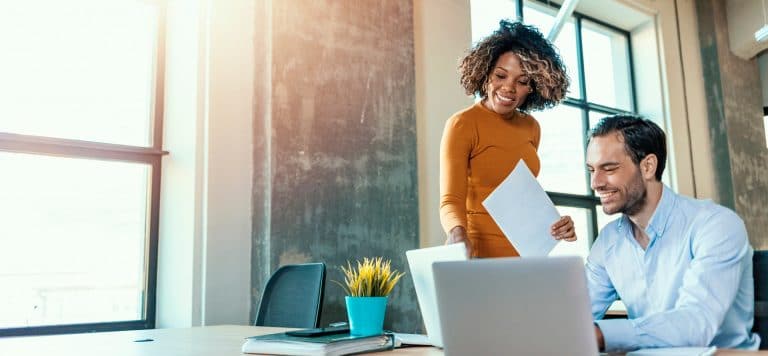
(412, 339)
(524, 212)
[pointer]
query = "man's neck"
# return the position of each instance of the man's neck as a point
(653, 196)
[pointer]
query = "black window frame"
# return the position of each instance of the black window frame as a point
(588, 201)
(152, 156)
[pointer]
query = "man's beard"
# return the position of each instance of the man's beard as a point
(636, 196)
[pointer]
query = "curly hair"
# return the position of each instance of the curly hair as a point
(539, 59)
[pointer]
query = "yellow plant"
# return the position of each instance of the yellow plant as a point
(371, 278)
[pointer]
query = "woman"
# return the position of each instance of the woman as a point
(513, 71)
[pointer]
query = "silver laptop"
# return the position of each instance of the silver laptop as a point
(420, 263)
(520, 306)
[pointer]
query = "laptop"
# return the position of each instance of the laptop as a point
(520, 306)
(420, 263)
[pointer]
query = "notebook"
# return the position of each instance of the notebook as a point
(420, 263)
(515, 306)
(328, 345)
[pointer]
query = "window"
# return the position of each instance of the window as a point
(80, 151)
(765, 124)
(597, 56)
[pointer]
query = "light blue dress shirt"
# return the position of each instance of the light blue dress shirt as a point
(692, 286)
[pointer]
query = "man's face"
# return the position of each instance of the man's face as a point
(615, 178)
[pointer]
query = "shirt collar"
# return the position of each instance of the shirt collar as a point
(660, 216)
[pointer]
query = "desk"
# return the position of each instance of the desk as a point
(220, 340)
(223, 340)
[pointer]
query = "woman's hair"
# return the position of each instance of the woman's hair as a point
(538, 57)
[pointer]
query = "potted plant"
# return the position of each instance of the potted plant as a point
(368, 286)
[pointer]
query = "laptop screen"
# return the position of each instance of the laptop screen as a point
(520, 306)
(420, 263)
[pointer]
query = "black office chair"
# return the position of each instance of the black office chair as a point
(293, 297)
(760, 273)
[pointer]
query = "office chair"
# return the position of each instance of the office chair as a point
(760, 273)
(293, 297)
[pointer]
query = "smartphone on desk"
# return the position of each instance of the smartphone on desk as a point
(319, 331)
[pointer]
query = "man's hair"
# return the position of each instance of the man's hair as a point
(641, 137)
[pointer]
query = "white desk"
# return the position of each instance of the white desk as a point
(221, 340)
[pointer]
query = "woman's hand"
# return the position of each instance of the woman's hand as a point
(457, 235)
(563, 229)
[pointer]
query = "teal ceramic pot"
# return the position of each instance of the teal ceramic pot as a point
(366, 315)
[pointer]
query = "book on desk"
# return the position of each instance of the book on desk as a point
(329, 345)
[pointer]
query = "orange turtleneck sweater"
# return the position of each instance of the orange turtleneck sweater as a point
(478, 150)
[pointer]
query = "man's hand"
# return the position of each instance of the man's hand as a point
(563, 229)
(457, 235)
(600, 340)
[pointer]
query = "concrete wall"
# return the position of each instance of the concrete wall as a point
(734, 109)
(335, 143)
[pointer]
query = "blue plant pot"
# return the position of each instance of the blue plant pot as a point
(366, 315)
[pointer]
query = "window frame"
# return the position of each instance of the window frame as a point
(589, 201)
(60, 147)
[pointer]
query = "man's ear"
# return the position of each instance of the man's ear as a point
(648, 166)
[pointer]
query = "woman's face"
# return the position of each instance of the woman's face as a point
(508, 86)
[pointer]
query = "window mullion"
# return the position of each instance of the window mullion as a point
(53, 146)
(633, 92)
(593, 228)
(159, 80)
(580, 60)
(152, 244)
(604, 109)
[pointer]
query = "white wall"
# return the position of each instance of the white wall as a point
(680, 76)
(205, 218)
(702, 169)
(745, 17)
(442, 35)
(179, 267)
(229, 163)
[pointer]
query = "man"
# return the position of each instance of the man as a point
(682, 267)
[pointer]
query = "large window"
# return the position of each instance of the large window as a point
(80, 153)
(597, 56)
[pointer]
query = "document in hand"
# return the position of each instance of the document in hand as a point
(330, 345)
(524, 212)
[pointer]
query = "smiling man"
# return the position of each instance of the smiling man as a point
(682, 267)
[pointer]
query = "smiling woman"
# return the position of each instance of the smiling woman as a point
(594, 45)
(508, 86)
(513, 71)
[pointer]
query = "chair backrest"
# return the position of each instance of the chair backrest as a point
(760, 273)
(293, 297)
